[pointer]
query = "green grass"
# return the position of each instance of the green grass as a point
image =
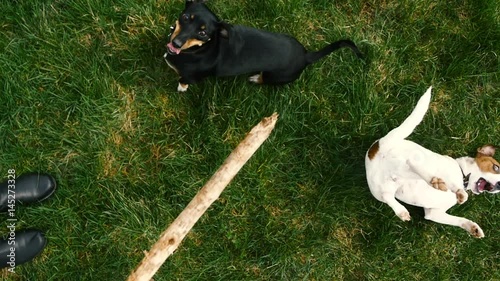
(87, 97)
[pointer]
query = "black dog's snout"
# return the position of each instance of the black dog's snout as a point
(177, 43)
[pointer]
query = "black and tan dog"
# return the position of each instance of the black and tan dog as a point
(201, 45)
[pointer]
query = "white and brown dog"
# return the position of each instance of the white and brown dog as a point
(399, 168)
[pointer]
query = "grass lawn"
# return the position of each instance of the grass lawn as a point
(86, 96)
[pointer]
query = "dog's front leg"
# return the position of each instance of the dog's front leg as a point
(183, 84)
(429, 176)
(439, 184)
(182, 87)
(440, 216)
(462, 196)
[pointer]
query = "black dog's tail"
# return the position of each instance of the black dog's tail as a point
(315, 56)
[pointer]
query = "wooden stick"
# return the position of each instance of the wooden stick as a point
(171, 238)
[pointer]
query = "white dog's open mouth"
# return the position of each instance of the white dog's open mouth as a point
(483, 185)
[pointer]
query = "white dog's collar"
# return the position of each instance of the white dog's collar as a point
(465, 179)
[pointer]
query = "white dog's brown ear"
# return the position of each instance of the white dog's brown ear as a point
(488, 150)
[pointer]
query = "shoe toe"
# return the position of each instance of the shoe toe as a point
(28, 188)
(46, 186)
(34, 187)
(27, 245)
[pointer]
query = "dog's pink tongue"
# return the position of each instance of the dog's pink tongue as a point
(173, 49)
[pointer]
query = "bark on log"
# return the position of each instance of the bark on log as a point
(171, 238)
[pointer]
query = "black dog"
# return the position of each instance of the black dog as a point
(201, 45)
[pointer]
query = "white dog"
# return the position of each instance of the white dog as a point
(399, 168)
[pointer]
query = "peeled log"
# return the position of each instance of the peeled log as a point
(171, 238)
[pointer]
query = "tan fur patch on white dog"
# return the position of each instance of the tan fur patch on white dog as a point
(487, 164)
(373, 150)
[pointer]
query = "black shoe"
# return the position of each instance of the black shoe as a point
(27, 244)
(28, 188)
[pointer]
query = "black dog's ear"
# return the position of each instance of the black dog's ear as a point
(189, 2)
(226, 31)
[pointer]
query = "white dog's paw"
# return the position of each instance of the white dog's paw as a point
(182, 87)
(404, 216)
(439, 184)
(474, 229)
(257, 78)
(462, 196)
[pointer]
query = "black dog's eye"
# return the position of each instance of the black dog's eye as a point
(202, 33)
(185, 17)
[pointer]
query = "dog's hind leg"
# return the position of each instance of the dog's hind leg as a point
(440, 216)
(257, 78)
(384, 190)
(397, 207)
(274, 78)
